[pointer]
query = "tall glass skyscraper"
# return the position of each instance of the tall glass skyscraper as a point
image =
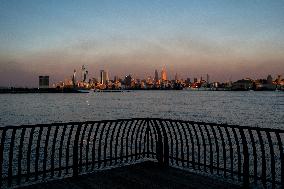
(104, 77)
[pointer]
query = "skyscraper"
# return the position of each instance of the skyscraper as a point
(156, 76)
(84, 73)
(207, 78)
(103, 77)
(128, 80)
(269, 79)
(163, 74)
(43, 82)
(176, 77)
(74, 78)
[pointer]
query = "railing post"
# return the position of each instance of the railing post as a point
(2, 145)
(162, 145)
(1, 164)
(246, 160)
(75, 151)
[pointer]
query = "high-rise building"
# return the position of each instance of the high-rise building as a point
(74, 78)
(188, 80)
(269, 79)
(176, 77)
(43, 82)
(103, 77)
(116, 79)
(128, 80)
(207, 78)
(84, 73)
(156, 76)
(163, 74)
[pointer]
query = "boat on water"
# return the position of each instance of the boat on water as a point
(190, 89)
(84, 90)
(110, 91)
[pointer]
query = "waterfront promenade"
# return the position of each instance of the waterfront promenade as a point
(177, 153)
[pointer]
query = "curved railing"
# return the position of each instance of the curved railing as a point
(34, 153)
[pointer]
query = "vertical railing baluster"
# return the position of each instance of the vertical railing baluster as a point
(224, 151)
(162, 146)
(246, 159)
(238, 152)
(37, 152)
(204, 147)
(88, 145)
(143, 131)
(100, 143)
(94, 145)
(198, 146)
(159, 146)
(81, 147)
(154, 136)
(139, 122)
(181, 142)
(53, 150)
(122, 139)
(137, 138)
(272, 156)
(29, 153)
(61, 149)
(67, 148)
(216, 146)
(76, 151)
(127, 136)
(172, 128)
(148, 140)
(111, 141)
(186, 143)
(166, 125)
(11, 153)
(2, 146)
(263, 158)
(20, 155)
(46, 150)
(192, 145)
(105, 145)
(210, 148)
(145, 138)
(132, 139)
(254, 156)
(231, 151)
(116, 141)
(280, 146)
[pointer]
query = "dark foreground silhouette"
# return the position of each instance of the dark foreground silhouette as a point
(141, 175)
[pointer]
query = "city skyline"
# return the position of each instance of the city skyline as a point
(225, 39)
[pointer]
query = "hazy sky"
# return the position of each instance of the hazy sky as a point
(224, 38)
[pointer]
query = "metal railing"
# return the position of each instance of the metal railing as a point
(34, 153)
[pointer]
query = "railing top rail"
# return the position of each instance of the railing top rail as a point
(147, 119)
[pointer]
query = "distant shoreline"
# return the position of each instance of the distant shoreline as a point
(72, 90)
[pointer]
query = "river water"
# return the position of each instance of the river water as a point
(261, 109)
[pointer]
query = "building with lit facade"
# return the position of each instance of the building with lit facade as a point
(163, 75)
(103, 77)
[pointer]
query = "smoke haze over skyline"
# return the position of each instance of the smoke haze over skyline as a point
(226, 39)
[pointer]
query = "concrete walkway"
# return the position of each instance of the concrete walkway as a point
(143, 175)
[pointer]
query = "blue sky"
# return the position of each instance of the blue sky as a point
(224, 38)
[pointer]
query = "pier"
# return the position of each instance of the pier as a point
(142, 152)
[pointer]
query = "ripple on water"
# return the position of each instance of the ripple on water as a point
(263, 109)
